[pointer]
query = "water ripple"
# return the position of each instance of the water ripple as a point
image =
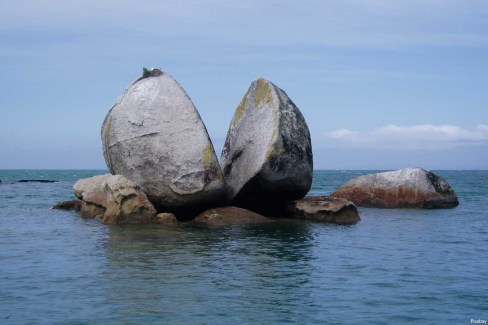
(394, 267)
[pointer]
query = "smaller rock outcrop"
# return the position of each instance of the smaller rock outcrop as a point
(405, 188)
(113, 199)
(267, 154)
(323, 209)
(226, 216)
(71, 205)
(166, 218)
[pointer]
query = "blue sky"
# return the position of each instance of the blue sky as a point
(382, 84)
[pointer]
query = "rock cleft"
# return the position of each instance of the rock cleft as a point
(267, 155)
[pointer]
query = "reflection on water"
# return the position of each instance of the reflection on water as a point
(173, 272)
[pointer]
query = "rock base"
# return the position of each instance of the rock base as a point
(323, 209)
(71, 205)
(226, 216)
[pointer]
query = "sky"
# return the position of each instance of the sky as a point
(383, 84)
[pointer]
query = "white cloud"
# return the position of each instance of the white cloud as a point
(343, 134)
(424, 136)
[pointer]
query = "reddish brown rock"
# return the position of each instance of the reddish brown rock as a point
(324, 209)
(226, 216)
(406, 188)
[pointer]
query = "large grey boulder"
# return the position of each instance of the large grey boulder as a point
(154, 136)
(405, 188)
(267, 155)
(113, 199)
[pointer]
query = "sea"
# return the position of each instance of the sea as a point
(393, 267)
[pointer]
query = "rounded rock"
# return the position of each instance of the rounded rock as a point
(267, 155)
(405, 188)
(154, 136)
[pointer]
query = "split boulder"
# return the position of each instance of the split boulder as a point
(267, 155)
(154, 136)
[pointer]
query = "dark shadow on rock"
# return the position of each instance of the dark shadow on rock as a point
(71, 205)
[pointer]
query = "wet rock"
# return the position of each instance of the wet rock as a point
(324, 209)
(267, 155)
(113, 199)
(225, 216)
(166, 218)
(405, 188)
(71, 205)
(154, 136)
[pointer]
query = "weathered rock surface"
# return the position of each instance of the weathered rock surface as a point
(405, 188)
(166, 218)
(324, 209)
(154, 136)
(267, 155)
(225, 216)
(71, 205)
(114, 200)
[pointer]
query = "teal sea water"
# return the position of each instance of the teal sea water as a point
(394, 267)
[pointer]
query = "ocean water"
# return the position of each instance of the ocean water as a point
(394, 267)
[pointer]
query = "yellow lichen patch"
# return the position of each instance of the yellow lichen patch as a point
(269, 153)
(263, 93)
(208, 156)
(240, 110)
(271, 146)
(210, 161)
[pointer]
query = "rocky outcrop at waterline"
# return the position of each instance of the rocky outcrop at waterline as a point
(70, 205)
(166, 218)
(323, 209)
(225, 216)
(267, 156)
(113, 199)
(154, 136)
(405, 188)
(157, 147)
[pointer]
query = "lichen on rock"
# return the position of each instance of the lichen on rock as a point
(155, 137)
(267, 155)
